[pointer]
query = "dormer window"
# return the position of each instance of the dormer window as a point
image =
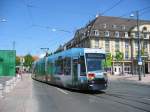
(96, 32)
(123, 27)
(144, 28)
(114, 26)
(104, 26)
(106, 33)
(116, 34)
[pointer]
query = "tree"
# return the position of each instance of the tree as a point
(17, 60)
(119, 56)
(28, 60)
(108, 60)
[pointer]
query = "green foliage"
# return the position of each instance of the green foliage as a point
(119, 56)
(108, 62)
(17, 60)
(142, 51)
(28, 60)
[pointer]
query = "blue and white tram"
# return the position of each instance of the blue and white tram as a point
(76, 68)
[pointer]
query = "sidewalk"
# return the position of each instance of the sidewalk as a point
(19, 99)
(135, 78)
(3, 79)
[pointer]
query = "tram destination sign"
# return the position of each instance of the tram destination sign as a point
(95, 55)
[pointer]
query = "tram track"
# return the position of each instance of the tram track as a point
(130, 102)
(126, 98)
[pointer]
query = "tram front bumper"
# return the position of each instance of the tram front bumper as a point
(98, 84)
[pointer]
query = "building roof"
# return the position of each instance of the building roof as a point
(115, 23)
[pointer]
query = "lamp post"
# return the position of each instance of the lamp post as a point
(139, 46)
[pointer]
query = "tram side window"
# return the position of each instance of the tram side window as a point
(50, 68)
(59, 67)
(82, 66)
(67, 66)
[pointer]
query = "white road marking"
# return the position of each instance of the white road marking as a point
(62, 91)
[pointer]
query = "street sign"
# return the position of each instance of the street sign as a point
(139, 61)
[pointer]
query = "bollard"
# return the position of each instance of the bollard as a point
(7, 86)
(1, 91)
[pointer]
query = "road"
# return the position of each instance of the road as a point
(121, 96)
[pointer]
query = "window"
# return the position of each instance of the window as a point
(67, 66)
(96, 43)
(95, 62)
(123, 27)
(107, 45)
(50, 68)
(145, 35)
(136, 34)
(116, 34)
(104, 26)
(117, 46)
(59, 67)
(114, 26)
(106, 33)
(96, 32)
(145, 44)
(115, 69)
(82, 66)
(126, 34)
(126, 54)
(126, 44)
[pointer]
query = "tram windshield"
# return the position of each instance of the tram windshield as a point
(95, 61)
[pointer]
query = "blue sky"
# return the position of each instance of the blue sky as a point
(30, 22)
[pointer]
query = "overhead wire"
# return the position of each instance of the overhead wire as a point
(116, 4)
(48, 27)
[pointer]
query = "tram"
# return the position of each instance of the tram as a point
(76, 68)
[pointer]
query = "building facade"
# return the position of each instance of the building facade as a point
(116, 34)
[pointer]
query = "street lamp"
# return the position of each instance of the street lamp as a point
(139, 46)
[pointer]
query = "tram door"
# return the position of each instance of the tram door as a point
(75, 71)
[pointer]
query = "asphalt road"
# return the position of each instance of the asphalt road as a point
(119, 97)
(33, 96)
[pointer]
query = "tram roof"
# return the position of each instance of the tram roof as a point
(73, 52)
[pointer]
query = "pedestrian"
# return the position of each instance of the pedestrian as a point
(20, 74)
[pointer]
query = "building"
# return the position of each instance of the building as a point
(7, 62)
(116, 34)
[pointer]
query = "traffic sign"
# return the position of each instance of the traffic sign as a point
(139, 60)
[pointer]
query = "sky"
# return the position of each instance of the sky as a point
(36, 24)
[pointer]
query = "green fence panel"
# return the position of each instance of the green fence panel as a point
(7, 62)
